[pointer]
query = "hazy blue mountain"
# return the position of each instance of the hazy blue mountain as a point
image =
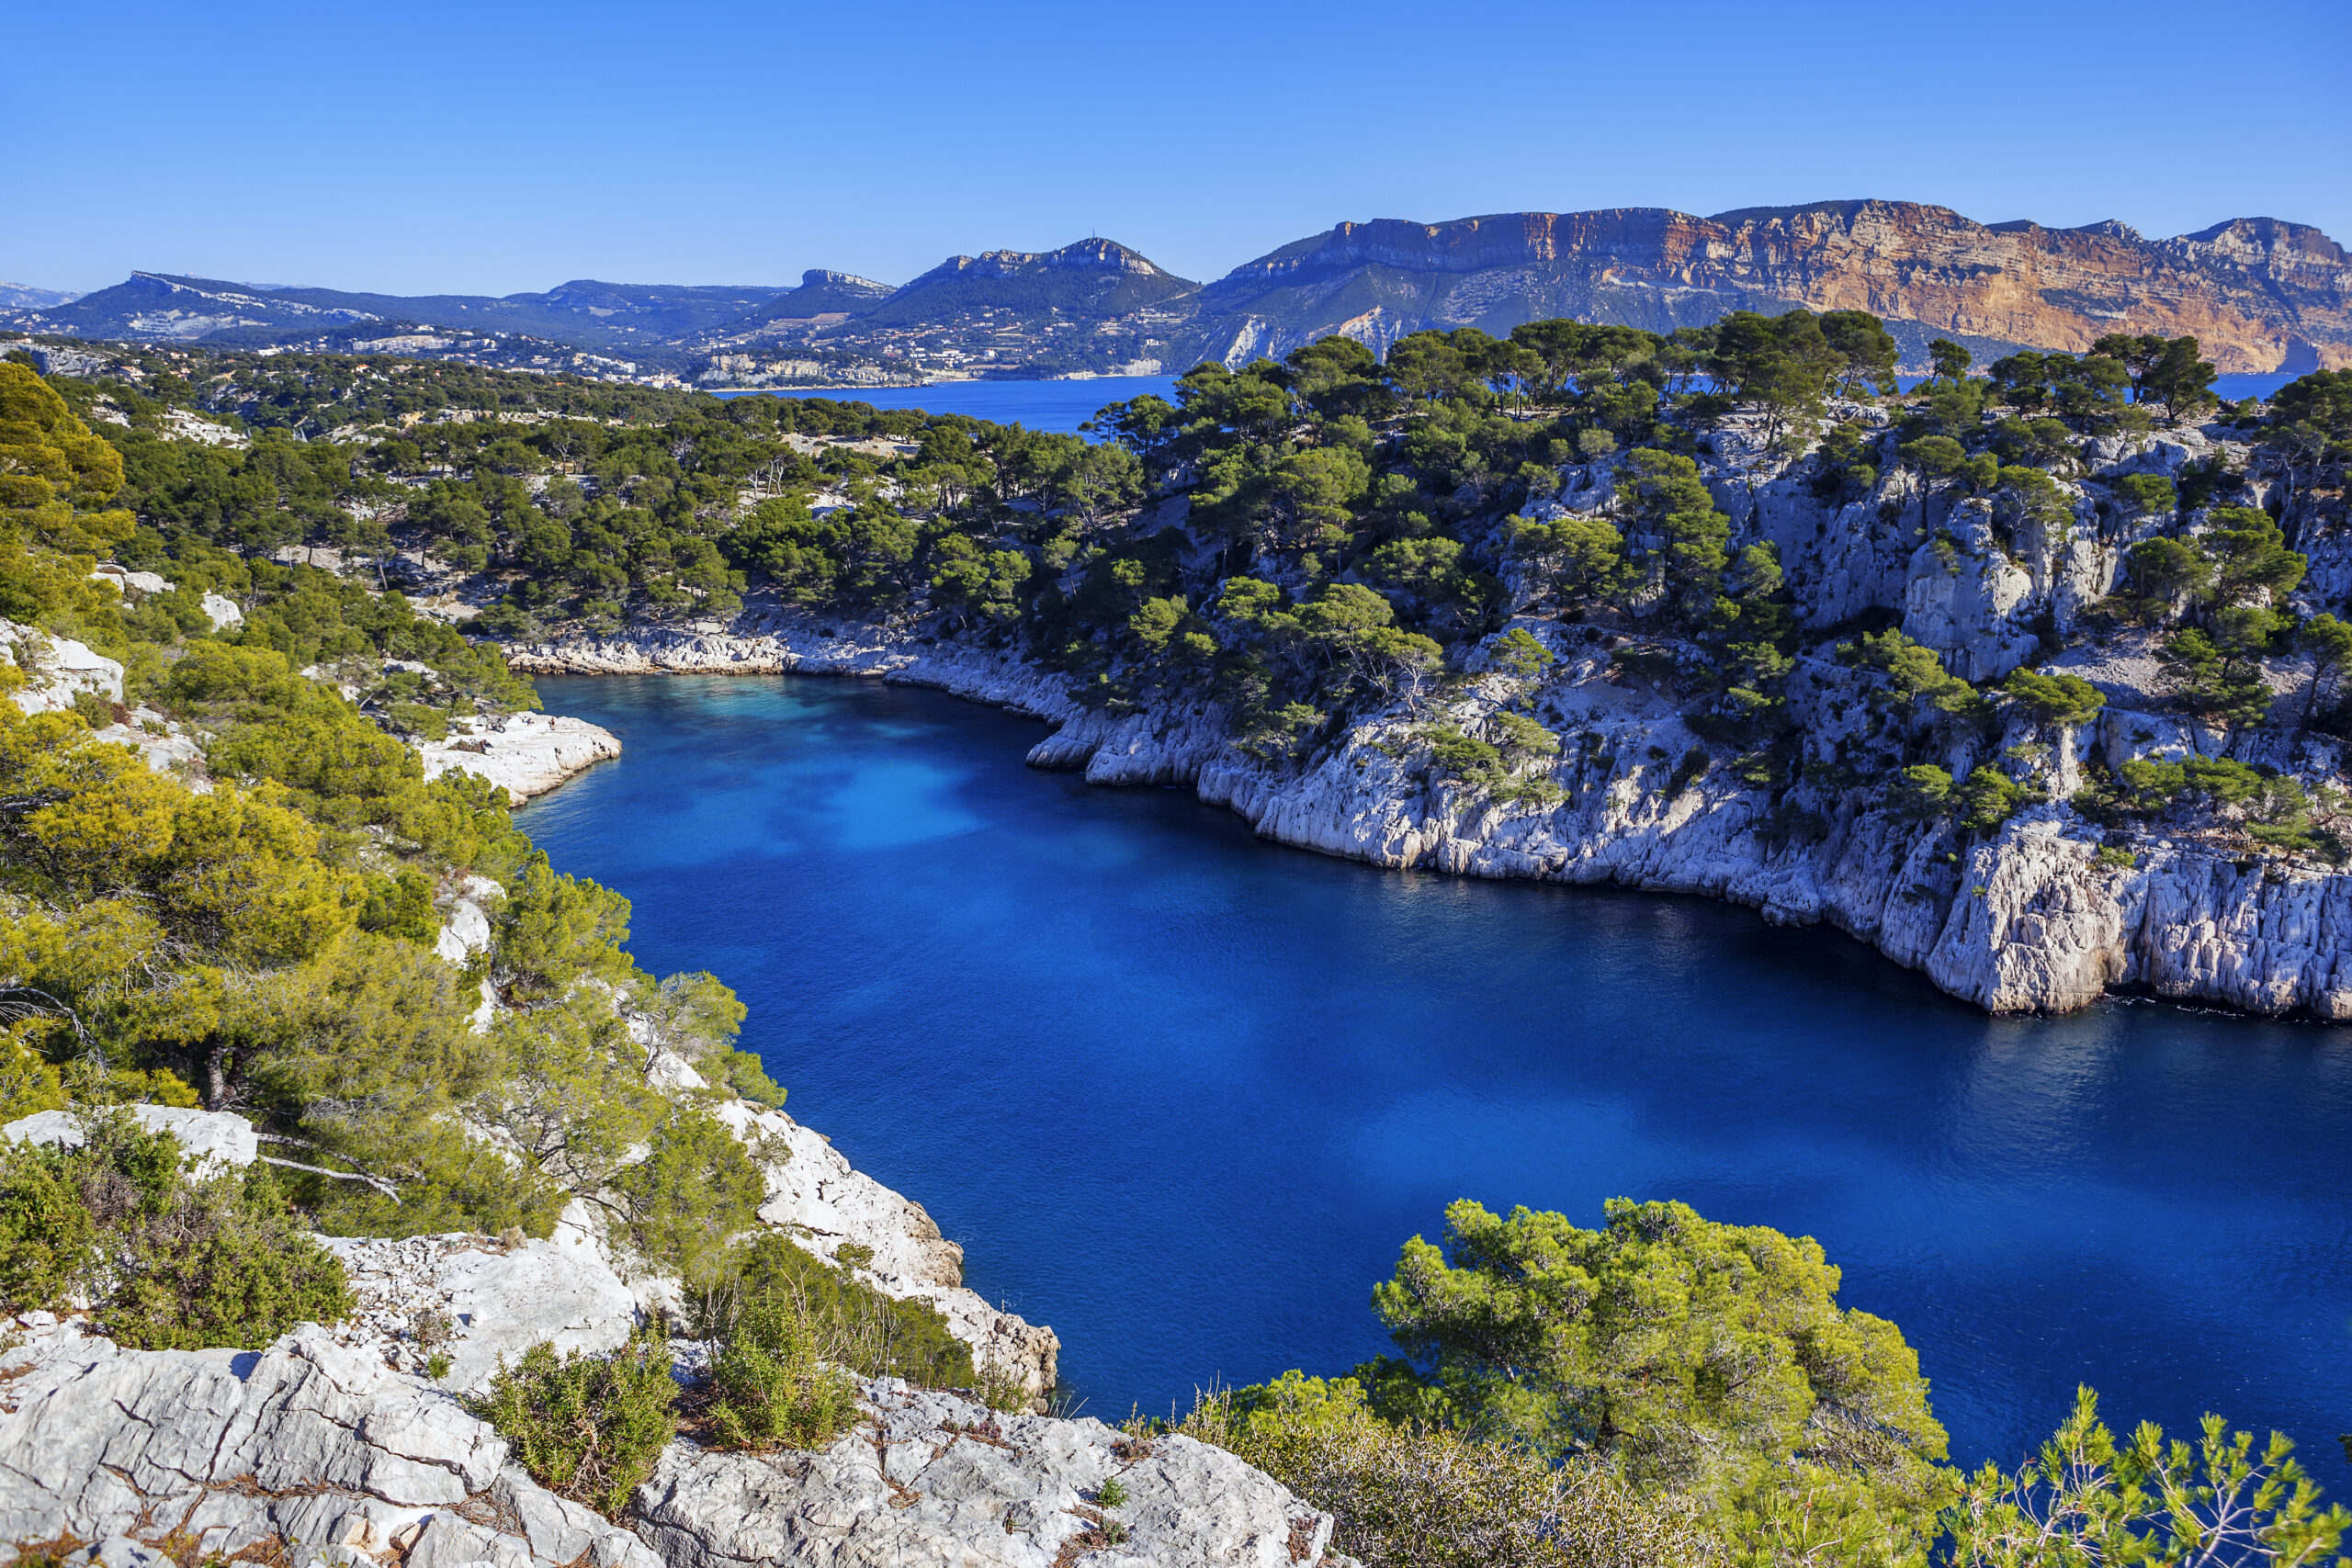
(584, 312)
(25, 296)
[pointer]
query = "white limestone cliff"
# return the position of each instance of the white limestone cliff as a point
(823, 1202)
(312, 1447)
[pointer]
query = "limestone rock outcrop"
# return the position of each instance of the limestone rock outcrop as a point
(524, 753)
(316, 1453)
(56, 670)
(932, 1478)
(309, 1448)
(478, 1303)
(218, 1139)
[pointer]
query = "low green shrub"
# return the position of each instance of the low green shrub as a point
(587, 1427)
(856, 1325)
(1462, 756)
(1687, 773)
(48, 1240)
(223, 1262)
(769, 1388)
(1001, 1388)
(186, 1264)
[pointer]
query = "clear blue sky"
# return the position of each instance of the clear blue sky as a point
(494, 148)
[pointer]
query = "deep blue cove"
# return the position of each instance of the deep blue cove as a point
(1180, 1094)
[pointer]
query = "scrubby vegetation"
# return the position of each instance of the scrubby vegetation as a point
(1405, 1494)
(785, 1331)
(587, 1427)
(852, 1325)
(172, 1259)
(1671, 1390)
(768, 1387)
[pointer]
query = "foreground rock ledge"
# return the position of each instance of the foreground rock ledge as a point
(319, 1454)
(933, 1478)
(309, 1445)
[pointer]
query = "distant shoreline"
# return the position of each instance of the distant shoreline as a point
(911, 385)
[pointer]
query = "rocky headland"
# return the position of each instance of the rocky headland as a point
(335, 1448)
(523, 754)
(2048, 916)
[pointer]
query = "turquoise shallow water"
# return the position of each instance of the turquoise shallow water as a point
(1181, 1093)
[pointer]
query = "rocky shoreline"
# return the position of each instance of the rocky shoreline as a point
(2035, 921)
(338, 1448)
(524, 753)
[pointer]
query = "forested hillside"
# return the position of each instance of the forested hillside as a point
(1304, 543)
(224, 882)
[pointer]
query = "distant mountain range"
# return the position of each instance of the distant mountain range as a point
(2260, 293)
(158, 307)
(22, 296)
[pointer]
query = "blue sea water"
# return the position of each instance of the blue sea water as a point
(1058, 406)
(1063, 406)
(1182, 1094)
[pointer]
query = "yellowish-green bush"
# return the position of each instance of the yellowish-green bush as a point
(554, 929)
(1412, 1496)
(693, 1192)
(28, 1082)
(55, 474)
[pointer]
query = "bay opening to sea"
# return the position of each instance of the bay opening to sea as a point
(1063, 405)
(1182, 1094)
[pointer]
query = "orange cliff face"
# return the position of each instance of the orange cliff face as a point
(2258, 294)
